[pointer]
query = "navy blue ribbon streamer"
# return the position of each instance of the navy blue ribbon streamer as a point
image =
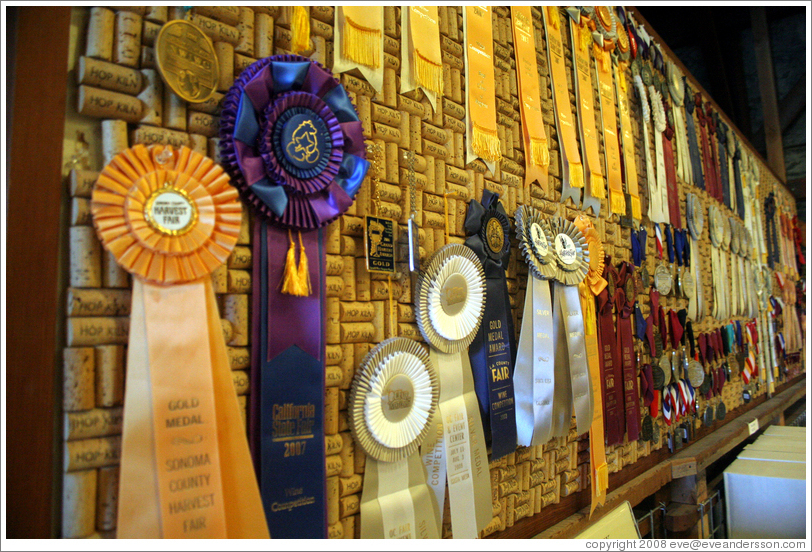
(669, 242)
(693, 142)
(721, 139)
(737, 175)
(493, 349)
(639, 246)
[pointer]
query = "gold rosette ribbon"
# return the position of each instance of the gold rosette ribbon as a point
(170, 218)
(592, 285)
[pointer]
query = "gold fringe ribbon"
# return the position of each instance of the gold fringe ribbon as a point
(427, 73)
(576, 175)
(296, 280)
(300, 27)
(539, 152)
(598, 184)
(485, 143)
(361, 44)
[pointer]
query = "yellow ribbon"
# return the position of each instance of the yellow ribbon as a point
(484, 139)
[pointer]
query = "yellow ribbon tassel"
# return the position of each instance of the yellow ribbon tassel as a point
(290, 280)
(617, 202)
(539, 152)
(304, 271)
(428, 74)
(598, 185)
(636, 212)
(361, 44)
(486, 144)
(576, 175)
(300, 27)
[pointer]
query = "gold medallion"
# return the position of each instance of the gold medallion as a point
(496, 235)
(187, 61)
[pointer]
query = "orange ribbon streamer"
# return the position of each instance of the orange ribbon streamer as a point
(617, 201)
(483, 137)
(537, 154)
(629, 161)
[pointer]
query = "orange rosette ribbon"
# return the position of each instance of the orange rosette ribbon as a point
(170, 217)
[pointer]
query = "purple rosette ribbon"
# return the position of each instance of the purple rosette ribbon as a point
(291, 141)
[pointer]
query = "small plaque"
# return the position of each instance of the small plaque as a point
(657, 377)
(379, 237)
(708, 416)
(647, 428)
(187, 61)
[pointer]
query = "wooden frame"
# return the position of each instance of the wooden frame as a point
(34, 245)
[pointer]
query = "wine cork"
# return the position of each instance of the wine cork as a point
(148, 58)
(80, 212)
(149, 32)
(98, 302)
(85, 454)
(356, 312)
(245, 28)
(174, 110)
(107, 498)
(360, 460)
(335, 531)
(114, 138)
(216, 30)
(97, 422)
(109, 76)
(331, 412)
(145, 134)
(332, 444)
(100, 34)
(333, 462)
(263, 35)
(348, 275)
(350, 485)
(334, 265)
(106, 104)
(235, 308)
(156, 14)
(240, 380)
(349, 505)
(357, 332)
(352, 226)
(321, 29)
(347, 452)
(79, 389)
(199, 143)
(238, 358)
(219, 279)
(79, 504)
(334, 285)
(127, 47)
(202, 123)
(225, 62)
(240, 258)
(85, 257)
(109, 362)
(332, 497)
(227, 329)
(386, 116)
(80, 182)
(386, 133)
(333, 376)
(97, 330)
(239, 281)
(230, 15)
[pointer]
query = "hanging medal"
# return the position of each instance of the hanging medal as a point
(293, 144)
(663, 279)
(450, 303)
(392, 401)
(170, 218)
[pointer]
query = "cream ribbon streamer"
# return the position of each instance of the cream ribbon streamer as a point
(408, 51)
(341, 64)
(650, 180)
(658, 211)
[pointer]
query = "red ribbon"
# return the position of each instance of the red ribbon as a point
(611, 368)
(626, 347)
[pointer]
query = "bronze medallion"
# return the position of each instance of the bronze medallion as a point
(611, 285)
(657, 377)
(495, 235)
(631, 290)
(186, 61)
(688, 284)
(708, 416)
(604, 17)
(721, 410)
(696, 374)
(663, 279)
(647, 428)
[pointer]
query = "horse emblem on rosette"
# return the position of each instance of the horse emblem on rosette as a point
(304, 143)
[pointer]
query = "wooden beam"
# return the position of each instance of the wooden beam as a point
(791, 106)
(35, 189)
(766, 85)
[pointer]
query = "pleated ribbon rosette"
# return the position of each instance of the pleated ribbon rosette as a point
(293, 144)
(392, 402)
(170, 218)
(450, 303)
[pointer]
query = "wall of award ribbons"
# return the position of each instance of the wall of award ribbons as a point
(530, 212)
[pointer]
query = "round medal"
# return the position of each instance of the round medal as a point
(708, 416)
(647, 428)
(665, 366)
(657, 377)
(688, 284)
(631, 290)
(696, 374)
(663, 279)
(721, 410)
(186, 60)
(494, 233)
(645, 277)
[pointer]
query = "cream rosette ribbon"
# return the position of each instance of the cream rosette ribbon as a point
(392, 401)
(169, 218)
(573, 387)
(534, 376)
(449, 307)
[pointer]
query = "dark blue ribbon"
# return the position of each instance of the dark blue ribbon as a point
(669, 242)
(693, 142)
(737, 176)
(493, 351)
(639, 246)
(721, 138)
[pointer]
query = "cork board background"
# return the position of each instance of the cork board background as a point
(116, 99)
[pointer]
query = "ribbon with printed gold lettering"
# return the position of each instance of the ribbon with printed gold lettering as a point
(582, 42)
(572, 169)
(421, 60)
(358, 42)
(588, 290)
(537, 157)
(603, 65)
(629, 155)
(170, 218)
(482, 139)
